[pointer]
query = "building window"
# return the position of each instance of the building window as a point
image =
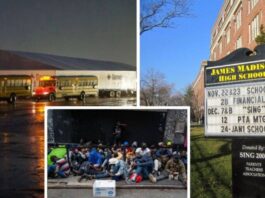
(220, 47)
(239, 42)
(238, 19)
(228, 35)
(252, 4)
(254, 28)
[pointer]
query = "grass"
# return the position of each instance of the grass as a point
(211, 166)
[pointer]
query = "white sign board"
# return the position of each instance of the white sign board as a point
(235, 110)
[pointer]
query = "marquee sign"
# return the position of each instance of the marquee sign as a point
(235, 99)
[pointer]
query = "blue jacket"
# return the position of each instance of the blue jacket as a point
(95, 157)
(144, 161)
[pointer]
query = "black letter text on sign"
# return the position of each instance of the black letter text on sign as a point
(235, 108)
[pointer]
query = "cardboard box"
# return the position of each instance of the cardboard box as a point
(104, 188)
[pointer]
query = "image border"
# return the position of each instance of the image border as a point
(114, 108)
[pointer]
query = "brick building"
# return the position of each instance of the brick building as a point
(237, 25)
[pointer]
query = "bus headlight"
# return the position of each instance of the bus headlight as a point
(45, 93)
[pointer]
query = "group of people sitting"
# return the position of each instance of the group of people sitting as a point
(131, 163)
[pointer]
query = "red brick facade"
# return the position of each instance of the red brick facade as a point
(237, 26)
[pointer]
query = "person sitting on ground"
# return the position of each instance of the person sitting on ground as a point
(107, 156)
(134, 146)
(60, 167)
(118, 169)
(143, 166)
(176, 169)
(162, 155)
(143, 150)
(119, 153)
(92, 165)
(95, 158)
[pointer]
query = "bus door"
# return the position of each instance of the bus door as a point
(3, 87)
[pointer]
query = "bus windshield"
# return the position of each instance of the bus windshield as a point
(47, 83)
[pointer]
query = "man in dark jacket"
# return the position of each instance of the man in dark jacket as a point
(143, 165)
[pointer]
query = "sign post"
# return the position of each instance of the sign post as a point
(235, 108)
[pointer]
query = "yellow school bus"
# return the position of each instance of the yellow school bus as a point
(15, 86)
(52, 87)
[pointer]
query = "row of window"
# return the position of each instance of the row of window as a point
(237, 14)
(254, 31)
(69, 83)
(16, 83)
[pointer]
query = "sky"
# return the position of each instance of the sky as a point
(178, 52)
(94, 29)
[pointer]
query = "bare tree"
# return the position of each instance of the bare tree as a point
(190, 99)
(154, 89)
(160, 13)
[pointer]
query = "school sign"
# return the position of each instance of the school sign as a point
(235, 108)
(235, 99)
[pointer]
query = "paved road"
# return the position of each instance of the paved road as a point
(124, 193)
(22, 144)
(21, 150)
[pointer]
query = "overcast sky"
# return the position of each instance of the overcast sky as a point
(95, 29)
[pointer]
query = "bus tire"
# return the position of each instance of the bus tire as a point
(118, 94)
(51, 97)
(12, 99)
(82, 96)
(112, 94)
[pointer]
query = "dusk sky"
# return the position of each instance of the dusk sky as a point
(94, 29)
(178, 52)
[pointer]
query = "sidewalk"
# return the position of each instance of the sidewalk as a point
(72, 183)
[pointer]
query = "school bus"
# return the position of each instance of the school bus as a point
(15, 86)
(52, 87)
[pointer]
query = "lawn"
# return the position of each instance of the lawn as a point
(211, 168)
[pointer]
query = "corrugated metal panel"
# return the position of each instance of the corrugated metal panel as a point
(47, 61)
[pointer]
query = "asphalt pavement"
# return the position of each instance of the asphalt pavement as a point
(22, 143)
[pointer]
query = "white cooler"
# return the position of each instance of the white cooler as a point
(104, 188)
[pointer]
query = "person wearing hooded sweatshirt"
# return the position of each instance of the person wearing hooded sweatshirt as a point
(95, 158)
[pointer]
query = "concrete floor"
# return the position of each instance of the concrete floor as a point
(124, 193)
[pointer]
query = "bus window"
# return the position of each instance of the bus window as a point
(28, 82)
(47, 83)
(18, 83)
(10, 83)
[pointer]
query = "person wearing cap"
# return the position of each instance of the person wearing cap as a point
(176, 169)
(118, 169)
(143, 150)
